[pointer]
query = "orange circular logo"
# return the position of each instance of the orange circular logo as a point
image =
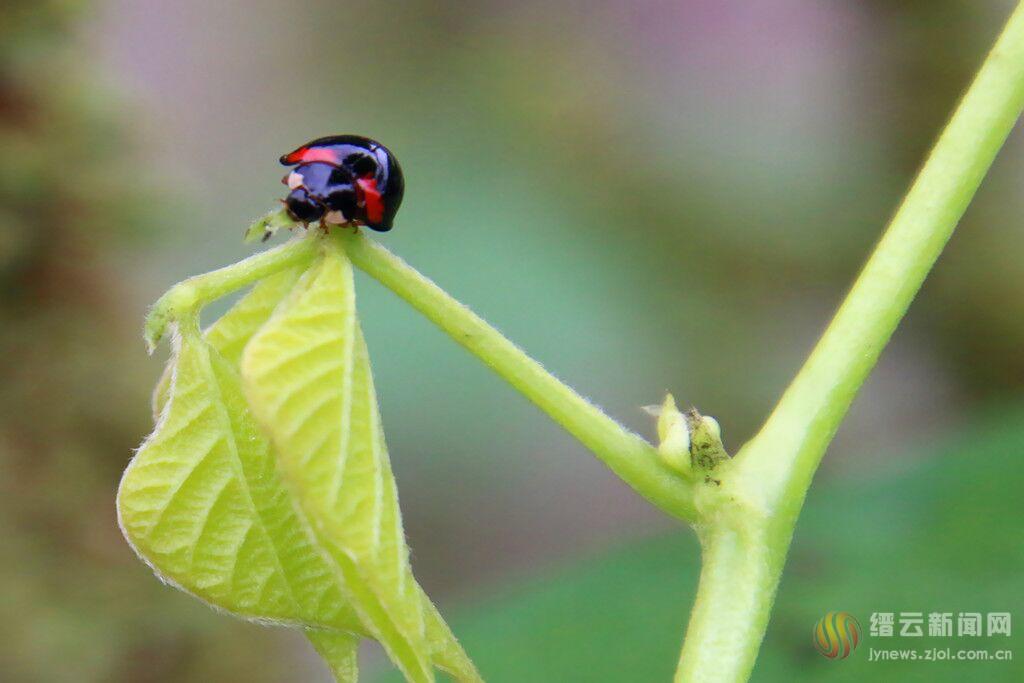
(836, 635)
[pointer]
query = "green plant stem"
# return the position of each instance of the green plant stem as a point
(190, 295)
(738, 568)
(628, 455)
(783, 457)
(751, 520)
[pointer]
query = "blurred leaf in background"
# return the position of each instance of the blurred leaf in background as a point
(940, 535)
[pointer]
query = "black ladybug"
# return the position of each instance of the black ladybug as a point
(344, 180)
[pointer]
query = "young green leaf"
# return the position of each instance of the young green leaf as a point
(340, 651)
(231, 332)
(307, 378)
(198, 501)
(202, 502)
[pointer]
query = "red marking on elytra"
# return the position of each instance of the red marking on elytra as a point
(305, 155)
(374, 203)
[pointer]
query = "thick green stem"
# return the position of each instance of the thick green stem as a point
(769, 477)
(628, 455)
(738, 569)
(192, 294)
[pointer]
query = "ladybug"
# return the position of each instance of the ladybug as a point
(344, 180)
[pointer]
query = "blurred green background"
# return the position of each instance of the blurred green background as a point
(646, 196)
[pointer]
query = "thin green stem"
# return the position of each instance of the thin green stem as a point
(190, 295)
(628, 455)
(750, 521)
